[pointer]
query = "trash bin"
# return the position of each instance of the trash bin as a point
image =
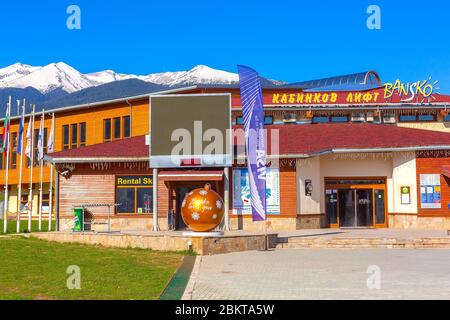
(78, 219)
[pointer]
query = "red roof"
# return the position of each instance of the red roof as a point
(295, 139)
(134, 147)
(314, 138)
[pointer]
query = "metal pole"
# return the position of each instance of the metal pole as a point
(41, 163)
(155, 200)
(226, 197)
(52, 169)
(19, 193)
(109, 218)
(50, 198)
(30, 196)
(57, 201)
(5, 215)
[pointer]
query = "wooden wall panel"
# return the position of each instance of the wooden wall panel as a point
(92, 186)
(82, 189)
(288, 191)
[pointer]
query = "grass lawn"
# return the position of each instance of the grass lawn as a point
(36, 269)
(12, 224)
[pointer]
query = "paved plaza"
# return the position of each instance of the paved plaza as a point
(324, 274)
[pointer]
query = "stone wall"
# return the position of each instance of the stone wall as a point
(118, 224)
(311, 221)
(166, 242)
(272, 224)
(414, 222)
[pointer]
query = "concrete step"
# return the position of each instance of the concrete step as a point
(328, 242)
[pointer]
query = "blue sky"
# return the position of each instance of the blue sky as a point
(287, 40)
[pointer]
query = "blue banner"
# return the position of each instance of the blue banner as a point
(253, 114)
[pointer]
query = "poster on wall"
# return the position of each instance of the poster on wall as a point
(430, 191)
(241, 191)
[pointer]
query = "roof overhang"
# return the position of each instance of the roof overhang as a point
(191, 175)
(446, 171)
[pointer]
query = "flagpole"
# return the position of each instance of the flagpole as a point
(30, 196)
(41, 164)
(5, 215)
(19, 194)
(52, 168)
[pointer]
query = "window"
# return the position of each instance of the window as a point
(289, 117)
(23, 202)
(339, 119)
(407, 118)
(65, 137)
(125, 197)
(74, 135)
(116, 128)
(321, 119)
(107, 130)
(144, 200)
(35, 149)
(82, 134)
(126, 126)
(45, 203)
(134, 194)
(426, 117)
(268, 120)
(35, 142)
(447, 118)
(13, 150)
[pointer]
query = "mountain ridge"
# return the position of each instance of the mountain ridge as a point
(59, 85)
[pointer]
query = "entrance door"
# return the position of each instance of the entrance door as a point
(354, 203)
(181, 193)
(364, 207)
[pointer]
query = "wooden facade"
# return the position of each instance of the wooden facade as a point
(93, 117)
(427, 164)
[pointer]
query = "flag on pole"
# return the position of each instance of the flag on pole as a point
(51, 138)
(40, 142)
(29, 138)
(22, 120)
(253, 114)
(6, 130)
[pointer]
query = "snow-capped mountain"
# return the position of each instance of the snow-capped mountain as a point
(15, 71)
(64, 77)
(199, 75)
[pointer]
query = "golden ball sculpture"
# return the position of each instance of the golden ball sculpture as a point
(202, 209)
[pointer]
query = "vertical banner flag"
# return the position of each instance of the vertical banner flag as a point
(4, 147)
(40, 142)
(253, 114)
(51, 138)
(29, 138)
(22, 123)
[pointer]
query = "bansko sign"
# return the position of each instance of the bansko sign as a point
(396, 91)
(408, 91)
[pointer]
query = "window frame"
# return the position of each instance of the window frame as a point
(81, 125)
(117, 125)
(107, 120)
(136, 213)
(124, 118)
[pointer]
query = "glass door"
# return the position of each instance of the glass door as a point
(347, 209)
(380, 207)
(355, 203)
(364, 207)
